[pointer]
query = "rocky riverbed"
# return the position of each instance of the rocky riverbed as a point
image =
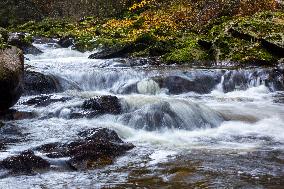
(91, 123)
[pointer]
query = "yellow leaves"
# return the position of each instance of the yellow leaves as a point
(114, 23)
(142, 4)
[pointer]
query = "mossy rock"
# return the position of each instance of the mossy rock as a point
(241, 51)
(188, 50)
(257, 39)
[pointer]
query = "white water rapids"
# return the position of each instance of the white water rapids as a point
(189, 124)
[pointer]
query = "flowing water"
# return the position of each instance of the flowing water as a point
(183, 139)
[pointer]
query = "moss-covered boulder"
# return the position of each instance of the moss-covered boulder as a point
(254, 39)
(11, 76)
(188, 50)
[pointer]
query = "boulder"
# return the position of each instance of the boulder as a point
(18, 40)
(37, 83)
(26, 162)
(66, 42)
(173, 114)
(273, 79)
(94, 148)
(11, 77)
(201, 84)
(98, 106)
(235, 80)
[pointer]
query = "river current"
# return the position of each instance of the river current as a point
(184, 138)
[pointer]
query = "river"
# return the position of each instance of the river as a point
(220, 133)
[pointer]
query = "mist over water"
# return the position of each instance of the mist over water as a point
(171, 126)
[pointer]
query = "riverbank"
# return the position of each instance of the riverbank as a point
(175, 33)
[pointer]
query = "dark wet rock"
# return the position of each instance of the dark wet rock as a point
(177, 84)
(97, 106)
(66, 42)
(101, 134)
(83, 114)
(53, 150)
(12, 114)
(99, 147)
(274, 79)
(235, 80)
(95, 148)
(18, 40)
(26, 162)
(44, 100)
(128, 88)
(118, 51)
(243, 79)
(37, 83)
(11, 77)
(201, 83)
(103, 104)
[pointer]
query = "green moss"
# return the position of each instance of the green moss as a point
(187, 50)
(47, 28)
(242, 51)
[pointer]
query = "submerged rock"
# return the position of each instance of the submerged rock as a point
(26, 162)
(16, 115)
(44, 100)
(37, 83)
(11, 77)
(95, 148)
(174, 114)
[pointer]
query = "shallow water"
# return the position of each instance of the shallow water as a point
(214, 140)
